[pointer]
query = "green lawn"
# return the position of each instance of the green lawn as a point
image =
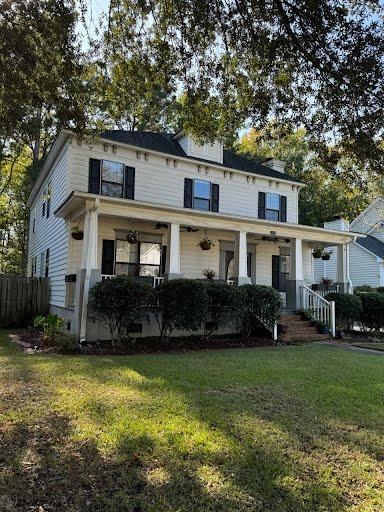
(273, 429)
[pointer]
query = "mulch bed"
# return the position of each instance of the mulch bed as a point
(152, 345)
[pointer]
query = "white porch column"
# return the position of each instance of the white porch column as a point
(88, 261)
(342, 277)
(296, 278)
(172, 263)
(240, 258)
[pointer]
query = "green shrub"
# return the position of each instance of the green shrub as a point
(51, 326)
(365, 288)
(221, 299)
(66, 343)
(348, 309)
(372, 316)
(180, 304)
(380, 289)
(259, 306)
(118, 303)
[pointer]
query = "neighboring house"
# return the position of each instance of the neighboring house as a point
(366, 254)
(173, 192)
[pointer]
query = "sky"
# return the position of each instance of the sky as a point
(95, 9)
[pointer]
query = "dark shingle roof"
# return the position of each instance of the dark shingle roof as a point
(372, 244)
(165, 143)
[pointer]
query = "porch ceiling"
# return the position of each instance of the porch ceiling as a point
(77, 202)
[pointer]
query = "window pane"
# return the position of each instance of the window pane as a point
(150, 253)
(126, 252)
(111, 189)
(273, 201)
(201, 204)
(127, 269)
(202, 189)
(271, 215)
(112, 171)
(149, 270)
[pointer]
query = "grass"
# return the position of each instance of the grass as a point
(286, 429)
(371, 345)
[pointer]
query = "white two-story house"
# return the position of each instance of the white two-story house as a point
(173, 193)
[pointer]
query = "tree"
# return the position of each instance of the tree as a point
(314, 64)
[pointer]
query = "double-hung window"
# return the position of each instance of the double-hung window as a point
(272, 206)
(112, 178)
(202, 195)
(141, 259)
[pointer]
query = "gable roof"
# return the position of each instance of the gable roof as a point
(166, 143)
(375, 203)
(372, 244)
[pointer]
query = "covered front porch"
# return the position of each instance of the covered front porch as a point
(168, 246)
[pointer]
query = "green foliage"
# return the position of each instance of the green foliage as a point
(372, 316)
(348, 309)
(66, 343)
(180, 304)
(118, 303)
(258, 306)
(222, 301)
(365, 288)
(51, 326)
(303, 65)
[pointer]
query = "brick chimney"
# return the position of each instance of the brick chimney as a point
(275, 164)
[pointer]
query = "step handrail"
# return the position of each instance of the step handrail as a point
(320, 308)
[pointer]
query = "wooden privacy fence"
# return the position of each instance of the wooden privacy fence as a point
(21, 299)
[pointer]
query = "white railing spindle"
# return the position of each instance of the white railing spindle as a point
(319, 308)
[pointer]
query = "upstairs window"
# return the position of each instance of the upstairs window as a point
(272, 207)
(49, 195)
(43, 204)
(201, 195)
(112, 179)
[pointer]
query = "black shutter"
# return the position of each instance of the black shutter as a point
(163, 259)
(188, 192)
(108, 257)
(261, 205)
(129, 187)
(276, 272)
(283, 209)
(215, 197)
(94, 176)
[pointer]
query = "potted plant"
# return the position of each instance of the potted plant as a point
(317, 253)
(205, 244)
(326, 282)
(323, 329)
(133, 237)
(209, 274)
(77, 233)
(326, 255)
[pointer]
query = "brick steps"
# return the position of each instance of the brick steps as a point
(299, 329)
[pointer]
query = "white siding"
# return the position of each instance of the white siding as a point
(326, 269)
(158, 183)
(378, 232)
(363, 267)
(51, 233)
(369, 218)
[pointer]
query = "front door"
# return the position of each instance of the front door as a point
(276, 272)
(280, 271)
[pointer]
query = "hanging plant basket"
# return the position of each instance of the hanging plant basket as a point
(326, 256)
(77, 234)
(317, 253)
(205, 244)
(133, 237)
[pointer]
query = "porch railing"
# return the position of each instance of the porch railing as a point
(319, 308)
(155, 281)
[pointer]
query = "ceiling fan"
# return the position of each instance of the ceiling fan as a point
(188, 229)
(273, 239)
(160, 225)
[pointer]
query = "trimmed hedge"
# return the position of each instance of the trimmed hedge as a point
(259, 306)
(348, 309)
(118, 303)
(372, 316)
(182, 305)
